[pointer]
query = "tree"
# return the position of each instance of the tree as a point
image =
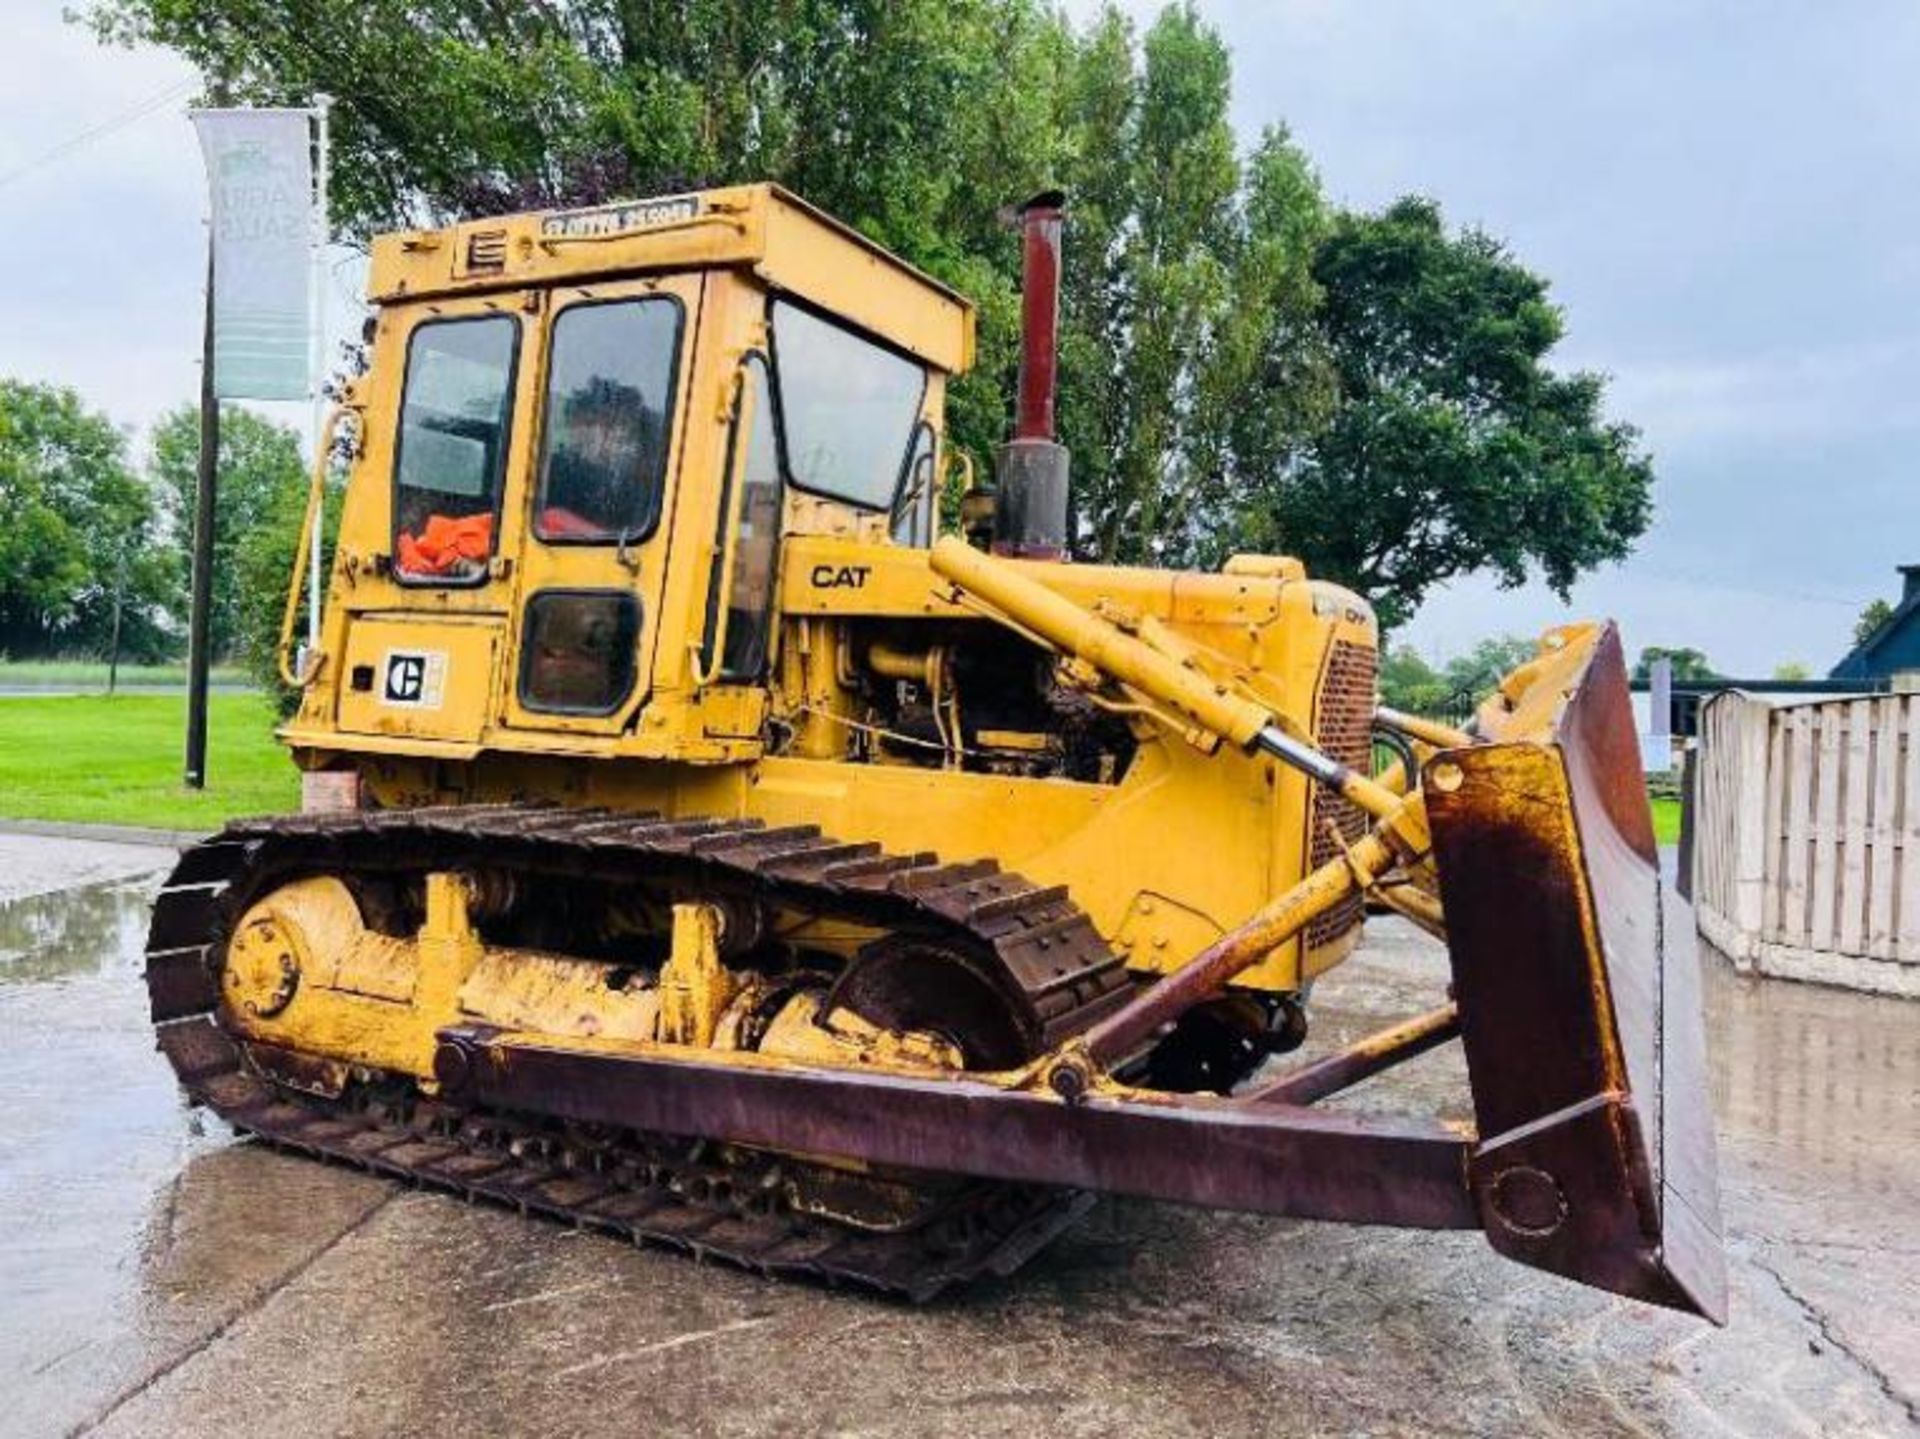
(78, 527)
(914, 120)
(1187, 277)
(1408, 682)
(1688, 664)
(1474, 675)
(1872, 618)
(1452, 446)
(260, 476)
(263, 559)
(1792, 670)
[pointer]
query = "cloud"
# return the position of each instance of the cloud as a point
(1655, 608)
(1864, 389)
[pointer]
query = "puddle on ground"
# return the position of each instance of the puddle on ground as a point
(92, 1131)
(1821, 1079)
(72, 932)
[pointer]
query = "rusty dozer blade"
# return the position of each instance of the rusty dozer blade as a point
(1578, 989)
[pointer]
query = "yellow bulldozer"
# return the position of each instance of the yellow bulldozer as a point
(705, 840)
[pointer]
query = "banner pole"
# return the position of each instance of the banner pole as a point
(199, 622)
(322, 105)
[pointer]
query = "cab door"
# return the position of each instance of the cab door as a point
(613, 408)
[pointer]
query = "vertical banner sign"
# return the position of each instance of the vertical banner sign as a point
(260, 171)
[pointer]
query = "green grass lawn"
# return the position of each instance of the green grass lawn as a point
(1666, 820)
(117, 760)
(92, 674)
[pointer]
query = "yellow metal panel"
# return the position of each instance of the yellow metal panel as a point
(828, 575)
(1215, 836)
(424, 679)
(843, 272)
(325, 741)
(791, 245)
(675, 232)
(822, 575)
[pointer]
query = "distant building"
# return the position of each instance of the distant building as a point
(1891, 652)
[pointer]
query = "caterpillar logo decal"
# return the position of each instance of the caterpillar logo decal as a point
(841, 577)
(414, 679)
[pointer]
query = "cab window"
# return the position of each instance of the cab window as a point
(849, 408)
(452, 448)
(578, 655)
(603, 459)
(756, 546)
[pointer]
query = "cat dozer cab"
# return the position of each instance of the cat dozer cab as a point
(702, 846)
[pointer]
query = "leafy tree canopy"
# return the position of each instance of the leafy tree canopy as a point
(1481, 668)
(77, 527)
(1876, 614)
(260, 477)
(1688, 664)
(1450, 445)
(1243, 367)
(1408, 682)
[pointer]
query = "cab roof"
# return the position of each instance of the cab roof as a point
(792, 247)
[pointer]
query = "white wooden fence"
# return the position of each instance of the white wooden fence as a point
(1806, 838)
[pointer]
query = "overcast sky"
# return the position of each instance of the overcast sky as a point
(1726, 197)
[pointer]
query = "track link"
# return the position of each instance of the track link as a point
(647, 1188)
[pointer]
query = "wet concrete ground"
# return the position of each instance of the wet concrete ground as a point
(159, 1278)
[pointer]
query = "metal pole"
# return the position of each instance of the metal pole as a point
(1377, 1052)
(198, 624)
(119, 603)
(1656, 750)
(322, 105)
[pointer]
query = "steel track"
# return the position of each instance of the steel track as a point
(705, 1199)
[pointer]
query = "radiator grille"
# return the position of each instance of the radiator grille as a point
(1343, 728)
